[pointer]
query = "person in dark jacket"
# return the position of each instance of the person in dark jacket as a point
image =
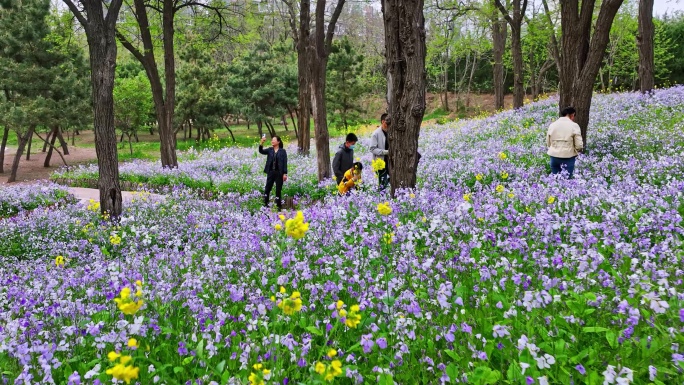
(344, 158)
(275, 169)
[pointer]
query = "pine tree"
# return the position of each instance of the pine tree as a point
(345, 70)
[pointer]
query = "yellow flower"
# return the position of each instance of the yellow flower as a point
(466, 197)
(291, 305)
(258, 377)
(354, 317)
(93, 206)
(423, 219)
(388, 238)
(278, 227)
(320, 367)
(59, 261)
(122, 371)
(384, 208)
(504, 175)
(329, 372)
(339, 304)
(282, 290)
(479, 176)
(332, 353)
(499, 188)
(502, 155)
(412, 195)
(126, 304)
(115, 239)
(550, 199)
(296, 227)
(133, 343)
(282, 217)
(511, 195)
(378, 164)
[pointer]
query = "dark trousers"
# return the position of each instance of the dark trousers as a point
(276, 177)
(383, 177)
(558, 164)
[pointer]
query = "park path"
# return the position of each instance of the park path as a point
(86, 194)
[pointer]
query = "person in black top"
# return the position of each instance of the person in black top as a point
(344, 158)
(275, 169)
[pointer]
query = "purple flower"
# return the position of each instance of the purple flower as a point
(367, 342)
(581, 369)
(529, 380)
(74, 379)
(681, 315)
(182, 350)
(382, 343)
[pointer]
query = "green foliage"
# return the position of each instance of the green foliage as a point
(672, 30)
(44, 77)
(133, 105)
(345, 86)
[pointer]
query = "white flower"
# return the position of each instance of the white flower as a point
(545, 361)
(543, 380)
(652, 373)
(524, 366)
(609, 375)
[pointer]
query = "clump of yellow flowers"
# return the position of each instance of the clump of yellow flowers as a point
(291, 304)
(259, 375)
(504, 175)
(332, 370)
(60, 261)
(352, 318)
(93, 206)
(122, 371)
(115, 239)
(479, 176)
(550, 199)
(296, 227)
(388, 238)
(384, 208)
(127, 304)
(467, 197)
(502, 155)
(499, 188)
(378, 164)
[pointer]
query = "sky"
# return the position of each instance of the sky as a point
(669, 6)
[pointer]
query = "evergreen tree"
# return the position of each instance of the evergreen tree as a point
(345, 88)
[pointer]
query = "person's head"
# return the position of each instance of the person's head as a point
(276, 142)
(569, 112)
(350, 140)
(385, 121)
(357, 168)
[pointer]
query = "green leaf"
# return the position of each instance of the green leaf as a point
(200, 349)
(314, 330)
(452, 372)
(453, 355)
(221, 366)
(178, 369)
(612, 339)
(590, 297)
(385, 379)
(594, 329)
(188, 360)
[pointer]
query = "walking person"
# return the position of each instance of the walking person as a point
(344, 158)
(379, 147)
(275, 169)
(564, 142)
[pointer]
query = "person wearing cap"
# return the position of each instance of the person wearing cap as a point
(379, 147)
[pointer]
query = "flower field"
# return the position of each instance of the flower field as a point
(491, 272)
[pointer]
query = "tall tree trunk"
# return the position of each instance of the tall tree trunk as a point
(499, 32)
(62, 142)
(582, 53)
(515, 22)
(320, 119)
(47, 139)
(23, 140)
(303, 53)
(405, 57)
(294, 123)
(103, 63)
(645, 43)
(3, 145)
(164, 96)
(445, 68)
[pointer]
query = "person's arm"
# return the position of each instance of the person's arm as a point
(577, 136)
(375, 150)
(261, 146)
(284, 164)
(548, 138)
(336, 166)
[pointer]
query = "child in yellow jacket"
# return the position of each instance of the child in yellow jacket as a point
(351, 178)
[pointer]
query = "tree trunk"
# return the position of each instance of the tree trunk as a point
(499, 32)
(405, 56)
(62, 142)
(294, 122)
(446, 84)
(51, 141)
(47, 139)
(303, 48)
(645, 44)
(516, 48)
(227, 126)
(320, 119)
(102, 49)
(30, 142)
(259, 128)
(582, 53)
(164, 96)
(23, 140)
(3, 145)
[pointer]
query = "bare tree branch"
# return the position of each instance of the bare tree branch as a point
(77, 13)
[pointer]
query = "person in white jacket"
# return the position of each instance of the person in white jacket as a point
(564, 142)
(379, 147)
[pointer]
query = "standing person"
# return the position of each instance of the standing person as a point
(379, 146)
(344, 158)
(275, 169)
(564, 142)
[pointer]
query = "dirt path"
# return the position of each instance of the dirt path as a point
(32, 169)
(86, 194)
